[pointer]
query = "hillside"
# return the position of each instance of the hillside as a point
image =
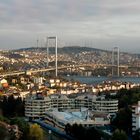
(66, 49)
(35, 58)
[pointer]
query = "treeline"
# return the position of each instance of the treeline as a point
(128, 97)
(123, 120)
(12, 113)
(81, 133)
(25, 131)
(92, 133)
(11, 107)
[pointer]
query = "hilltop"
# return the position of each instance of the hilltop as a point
(66, 49)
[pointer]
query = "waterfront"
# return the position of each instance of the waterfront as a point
(98, 80)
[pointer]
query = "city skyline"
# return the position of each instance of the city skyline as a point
(98, 24)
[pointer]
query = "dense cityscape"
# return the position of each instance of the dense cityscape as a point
(97, 61)
(69, 70)
(37, 96)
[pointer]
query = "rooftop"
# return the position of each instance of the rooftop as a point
(80, 117)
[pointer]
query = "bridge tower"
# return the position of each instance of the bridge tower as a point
(37, 45)
(116, 60)
(47, 45)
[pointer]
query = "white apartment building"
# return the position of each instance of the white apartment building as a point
(109, 106)
(135, 117)
(37, 105)
(60, 102)
(95, 103)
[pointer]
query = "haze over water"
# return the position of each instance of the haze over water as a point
(99, 80)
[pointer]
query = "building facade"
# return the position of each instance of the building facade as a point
(37, 105)
(135, 117)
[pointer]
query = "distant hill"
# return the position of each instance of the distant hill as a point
(34, 58)
(66, 49)
(71, 50)
(78, 49)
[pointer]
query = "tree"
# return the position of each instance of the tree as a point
(137, 135)
(79, 131)
(19, 108)
(82, 133)
(23, 127)
(123, 120)
(3, 119)
(11, 107)
(4, 134)
(5, 106)
(68, 129)
(119, 135)
(92, 134)
(35, 133)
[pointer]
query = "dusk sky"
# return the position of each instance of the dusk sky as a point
(95, 23)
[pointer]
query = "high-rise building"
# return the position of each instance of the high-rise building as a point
(135, 117)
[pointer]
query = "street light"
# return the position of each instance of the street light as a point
(50, 136)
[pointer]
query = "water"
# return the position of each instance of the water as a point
(98, 80)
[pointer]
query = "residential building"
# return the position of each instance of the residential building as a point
(37, 105)
(135, 117)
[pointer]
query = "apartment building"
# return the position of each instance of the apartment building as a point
(135, 117)
(95, 103)
(109, 106)
(37, 105)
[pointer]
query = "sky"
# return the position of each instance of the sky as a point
(100, 24)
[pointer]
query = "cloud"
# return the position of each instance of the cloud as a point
(105, 22)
